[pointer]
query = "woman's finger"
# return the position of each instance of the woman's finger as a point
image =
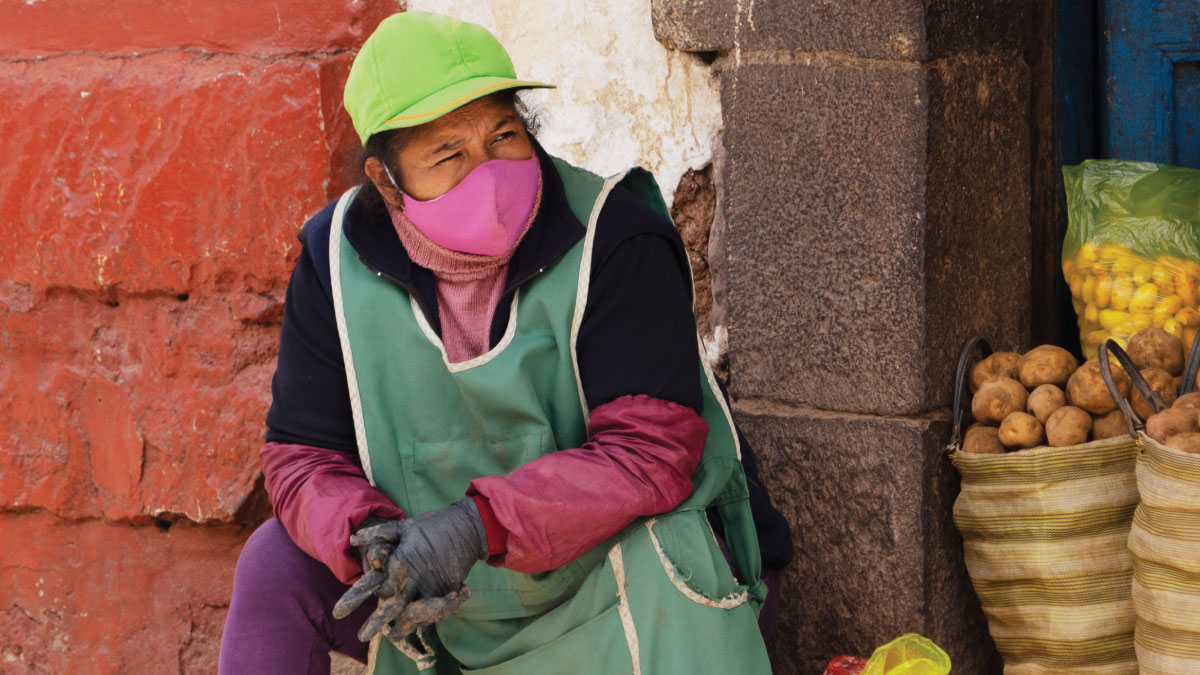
(388, 532)
(360, 591)
(420, 613)
(377, 554)
(387, 611)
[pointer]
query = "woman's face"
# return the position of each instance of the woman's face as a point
(441, 153)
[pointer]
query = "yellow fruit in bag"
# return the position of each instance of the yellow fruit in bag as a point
(1172, 327)
(1144, 299)
(1104, 286)
(1088, 294)
(1141, 273)
(1111, 318)
(1131, 255)
(1122, 292)
(1188, 317)
(1166, 308)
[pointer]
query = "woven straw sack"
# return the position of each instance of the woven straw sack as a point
(1044, 536)
(1165, 545)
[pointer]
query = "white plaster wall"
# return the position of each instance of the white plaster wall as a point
(622, 99)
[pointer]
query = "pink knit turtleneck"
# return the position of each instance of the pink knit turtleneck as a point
(468, 286)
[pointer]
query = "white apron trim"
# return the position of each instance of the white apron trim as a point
(728, 602)
(631, 638)
(339, 312)
(716, 391)
(483, 358)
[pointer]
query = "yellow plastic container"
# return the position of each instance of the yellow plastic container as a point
(909, 654)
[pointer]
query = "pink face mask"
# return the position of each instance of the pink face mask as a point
(485, 213)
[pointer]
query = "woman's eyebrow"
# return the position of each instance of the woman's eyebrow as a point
(499, 125)
(448, 145)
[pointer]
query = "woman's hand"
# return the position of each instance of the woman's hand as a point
(374, 552)
(422, 582)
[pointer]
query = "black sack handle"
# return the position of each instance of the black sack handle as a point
(1189, 371)
(960, 381)
(1135, 376)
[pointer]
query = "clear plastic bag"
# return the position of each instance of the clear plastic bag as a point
(909, 654)
(1132, 252)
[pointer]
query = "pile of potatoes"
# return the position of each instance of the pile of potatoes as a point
(1045, 397)
(1117, 293)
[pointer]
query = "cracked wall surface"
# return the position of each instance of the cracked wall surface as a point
(623, 98)
(160, 160)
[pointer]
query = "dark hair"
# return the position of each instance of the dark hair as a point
(386, 145)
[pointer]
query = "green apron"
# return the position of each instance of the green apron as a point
(657, 597)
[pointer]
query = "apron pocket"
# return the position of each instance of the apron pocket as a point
(437, 473)
(597, 646)
(692, 561)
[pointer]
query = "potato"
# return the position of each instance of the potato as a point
(1046, 364)
(1109, 425)
(1068, 426)
(997, 399)
(1161, 382)
(1086, 388)
(999, 364)
(982, 440)
(1044, 400)
(1171, 422)
(1189, 442)
(1155, 348)
(1021, 430)
(1188, 400)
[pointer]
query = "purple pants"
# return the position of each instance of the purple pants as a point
(280, 618)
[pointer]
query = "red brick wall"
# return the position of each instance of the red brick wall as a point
(156, 161)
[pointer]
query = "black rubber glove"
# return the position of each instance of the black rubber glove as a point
(374, 555)
(434, 554)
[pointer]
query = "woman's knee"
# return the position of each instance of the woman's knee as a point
(270, 557)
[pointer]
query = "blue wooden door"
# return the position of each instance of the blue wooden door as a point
(1150, 93)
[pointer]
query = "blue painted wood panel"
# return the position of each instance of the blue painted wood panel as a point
(1150, 63)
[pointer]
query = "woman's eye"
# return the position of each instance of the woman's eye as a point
(504, 136)
(447, 159)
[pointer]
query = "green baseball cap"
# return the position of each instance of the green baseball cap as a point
(418, 66)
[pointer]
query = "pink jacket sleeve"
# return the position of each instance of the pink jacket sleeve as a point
(638, 461)
(321, 496)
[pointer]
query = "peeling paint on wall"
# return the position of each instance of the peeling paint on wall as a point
(623, 99)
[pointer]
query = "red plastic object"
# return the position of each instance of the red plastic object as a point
(845, 665)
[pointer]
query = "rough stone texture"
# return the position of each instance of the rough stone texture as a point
(694, 25)
(149, 206)
(34, 27)
(824, 219)
(979, 26)
(692, 211)
(1046, 277)
(138, 408)
(877, 29)
(622, 98)
(154, 185)
(977, 241)
(93, 597)
(876, 553)
(901, 227)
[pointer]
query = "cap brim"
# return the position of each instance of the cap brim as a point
(455, 96)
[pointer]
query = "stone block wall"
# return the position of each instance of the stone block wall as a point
(159, 160)
(873, 212)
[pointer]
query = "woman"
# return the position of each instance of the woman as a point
(489, 356)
